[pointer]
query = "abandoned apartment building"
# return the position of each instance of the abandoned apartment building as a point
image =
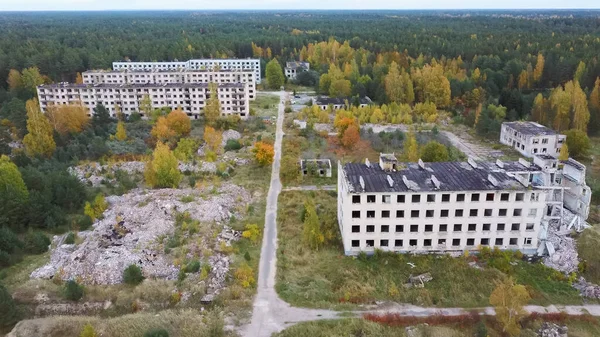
(456, 206)
(315, 167)
(531, 139)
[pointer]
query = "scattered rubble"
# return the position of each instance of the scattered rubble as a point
(229, 134)
(565, 257)
(553, 330)
(132, 230)
(587, 289)
(418, 281)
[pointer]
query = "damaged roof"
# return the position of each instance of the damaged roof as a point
(452, 176)
(530, 128)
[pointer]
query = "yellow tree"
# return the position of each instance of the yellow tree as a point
(179, 122)
(595, 96)
(538, 111)
(399, 86)
(523, 80)
(564, 153)
(38, 140)
(31, 78)
(579, 72)
(579, 106)
(161, 130)
(311, 233)
(14, 80)
(263, 152)
(70, 118)
(146, 105)
(508, 300)
(163, 169)
(212, 110)
(121, 133)
(560, 102)
(213, 138)
(411, 148)
(79, 79)
(538, 71)
(432, 85)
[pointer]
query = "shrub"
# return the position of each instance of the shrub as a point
(36, 243)
(70, 239)
(73, 291)
(156, 333)
(8, 309)
(132, 275)
(193, 266)
(9, 242)
(233, 145)
(245, 276)
(88, 331)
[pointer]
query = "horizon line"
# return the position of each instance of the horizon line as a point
(302, 9)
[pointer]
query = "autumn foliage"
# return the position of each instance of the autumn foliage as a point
(70, 118)
(163, 169)
(39, 140)
(168, 129)
(350, 137)
(213, 138)
(263, 152)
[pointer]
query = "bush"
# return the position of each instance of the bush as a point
(73, 291)
(36, 243)
(132, 275)
(157, 333)
(9, 242)
(8, 310)
(192, 267)
(88, 331)
(70, 239)
(233, 145)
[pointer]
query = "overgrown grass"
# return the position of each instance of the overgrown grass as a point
(328, 279)
(265, 105)
(587, 247)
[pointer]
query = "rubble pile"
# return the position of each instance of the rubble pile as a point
(131, 231)
(418, 281)
(553, 330)
(587, 289)
(230, 134)
(565, 258)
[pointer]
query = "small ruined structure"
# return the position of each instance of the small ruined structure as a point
(317, 167)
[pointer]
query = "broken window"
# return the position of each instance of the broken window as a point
(385, 229)
(473, 212)
(398, 243)
(383, 243)
(427, 243)
(370, 214)
(399, 214)
(455, 242)
(416, 198)
(442, 242)
(414, 214)
(355, 214)
(370, 229)
(385, 214)
(460, 197)
(386, 199)
(400, 198)
(534, 197)
(457, 227)
(429, 213)
(355, 243)
(444, 213)
(445, 197)
(412, 243)
(430, 197)
(529, 226)
(356, 229)
(527, 241)
(370, 243)
(470, 242)
(429, 228)
(489, 197)
(472, 227)
(443, 228)
(475, 197)
(370, 199)
(414, 228)
(399, 228)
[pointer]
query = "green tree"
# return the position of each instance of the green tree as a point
(212, 110)
(39, 141)
(274, 74)
(434, 152)
(411, 148)
(311, 232)
(8, 309)
(30, 79)
(101, 117)
(73, 291)
(163, 169)
(508, 300)
(13, 195)
(578, 143)
(133, 275)
(186, 149)
(146, 106)
(88, 331)
(579, 72)
(564, 153)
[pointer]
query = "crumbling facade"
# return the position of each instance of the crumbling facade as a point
(531, 139)
(294, 67)
(456, 206)
(316, 167)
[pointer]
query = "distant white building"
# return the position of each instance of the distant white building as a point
(189, 97)
(196, 64)
(456, 206)
(530, 138)
(177, 75)
(293, 68)
(337, 103)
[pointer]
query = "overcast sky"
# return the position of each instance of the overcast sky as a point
(30, 5)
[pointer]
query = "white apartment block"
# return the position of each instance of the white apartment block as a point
(452, 206)
(196, 64)
(180, 75)
(530, 138)
(189, 97)
(293, 68)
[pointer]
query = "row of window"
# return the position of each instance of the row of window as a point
(444, 213)
(460, 197)
(442, 243)
(442, 228)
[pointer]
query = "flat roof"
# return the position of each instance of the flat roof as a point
(156, 70)
(137, 85)
(452, 176)
(340, 101)
(531, 128)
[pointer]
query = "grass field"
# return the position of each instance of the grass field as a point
(328, 279)
(265, 104)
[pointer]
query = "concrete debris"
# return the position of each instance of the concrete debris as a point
(553, 330)
(133, 228)
(229, 134)
(587, 289)
(418, 281)
(73, 309)
(565, 258)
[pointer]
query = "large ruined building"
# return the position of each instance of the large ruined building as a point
(456, 206)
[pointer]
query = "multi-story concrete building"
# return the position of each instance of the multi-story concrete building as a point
(179, 75)
(454, 206)
(189, 97)
(293, 68)
(337, 103)
(530, 138)
(196, 64)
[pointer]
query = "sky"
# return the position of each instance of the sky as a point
(43, 5)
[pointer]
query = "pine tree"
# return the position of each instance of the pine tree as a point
(121, 133)
(212, 110)
(39, 141)
(274, 74)
(311, 232)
